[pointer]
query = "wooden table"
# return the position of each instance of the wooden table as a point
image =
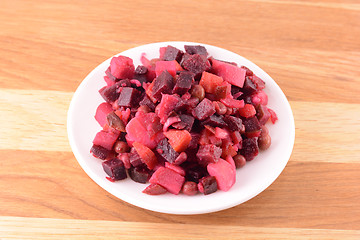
(311, 48)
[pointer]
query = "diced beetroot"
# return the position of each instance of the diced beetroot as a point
(249, 86)
(141, 70)
(208, 154)
(183, 82)
(232, 103)
(145, 153)
(175, 168)
(129, 97)
(147, 102)
(166, 106)
(247, 111)
(99, 152)
(196, 64)
(248, 71)
(154, 189)
(230, 73)
(234, 123)
(115, 169)
(207, 185)
(166, 151)
(224, 173)
(263, 114)
(163, 84)
(110, 77)
(194, 172)
(139, 174)
(169, 66)
(169, 179)
(204, 109)
(249, 148)
(105, 139)
(145, 129)
(134, 158)
(122, 67)
(110, 93)
(259, 83)
(171, 53)
(215, 121)
(273, 116)
(195, 137)
(186, 122)
(101, 112)
(252, 124)
(196, 49)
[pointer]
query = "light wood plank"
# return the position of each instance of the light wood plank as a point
(306, 195)
(32, 228)
(36, 120)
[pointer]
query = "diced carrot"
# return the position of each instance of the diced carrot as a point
(149, 92)
(178, 139)
(178, 67)
(210, 81)
(145, 154)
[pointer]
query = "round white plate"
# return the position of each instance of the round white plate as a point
(251, 180)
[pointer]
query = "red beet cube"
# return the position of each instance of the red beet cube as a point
(139, 174)
(204, 109)
(147, 102)
(166, 151)
(208, 153)
(110, 93)
(99, 152)
(171, 53)
(249, 148)
(183, 82)
(234, 123)
(169, 179)
(164, 83)
(115, 169)
(129, 97)
(196, 64)
(196, 49)
(207, 185)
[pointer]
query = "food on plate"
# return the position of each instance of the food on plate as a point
(181, 123)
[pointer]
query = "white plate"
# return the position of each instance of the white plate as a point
(251, 180)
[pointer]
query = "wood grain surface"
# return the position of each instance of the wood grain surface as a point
(311, 48)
